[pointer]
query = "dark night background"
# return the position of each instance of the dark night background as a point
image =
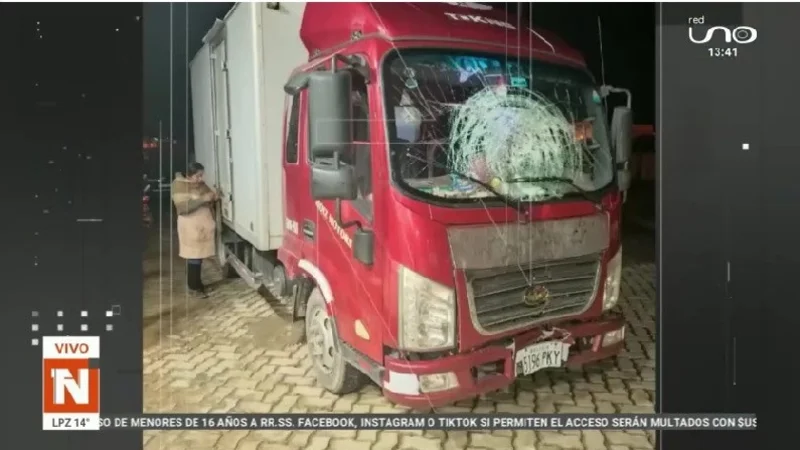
(628, 48)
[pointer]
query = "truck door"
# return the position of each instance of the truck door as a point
(356, 287)
(222, 132)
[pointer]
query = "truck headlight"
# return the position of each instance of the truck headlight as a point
(613, 281)
(426, 313)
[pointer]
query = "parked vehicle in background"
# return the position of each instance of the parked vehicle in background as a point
(162, 158)
(417, 257)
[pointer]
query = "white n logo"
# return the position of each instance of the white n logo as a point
(63, 382)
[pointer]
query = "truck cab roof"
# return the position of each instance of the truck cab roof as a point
(328, 25)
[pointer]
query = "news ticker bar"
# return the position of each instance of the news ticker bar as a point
(468, 422)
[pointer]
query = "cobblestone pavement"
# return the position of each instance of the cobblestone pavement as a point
(232, 353)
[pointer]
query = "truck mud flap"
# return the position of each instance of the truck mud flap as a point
(301, 290)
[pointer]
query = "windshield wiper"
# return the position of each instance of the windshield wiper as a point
(579, 190)
(503, 197)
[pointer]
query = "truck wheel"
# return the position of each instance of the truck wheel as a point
(280, 286)
(332, 371)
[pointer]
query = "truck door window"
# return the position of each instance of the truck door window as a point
(292, 127)
(360, 157)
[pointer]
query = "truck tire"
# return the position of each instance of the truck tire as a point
(331, 370)
(280, 282)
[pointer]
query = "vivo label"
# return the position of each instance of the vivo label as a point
(70, 383)
(738, 35)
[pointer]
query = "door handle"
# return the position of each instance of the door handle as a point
(308, 229)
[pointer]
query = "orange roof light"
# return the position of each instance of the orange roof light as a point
(583, 131)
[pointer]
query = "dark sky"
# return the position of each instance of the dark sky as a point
(628, 47)
(54, 70)
(158, 35)
(628, 44)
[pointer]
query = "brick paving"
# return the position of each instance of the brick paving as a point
(233, 353)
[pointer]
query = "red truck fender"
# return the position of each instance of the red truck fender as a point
(318, 277)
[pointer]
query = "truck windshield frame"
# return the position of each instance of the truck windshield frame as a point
(423, 128)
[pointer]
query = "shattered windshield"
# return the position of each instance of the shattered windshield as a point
(527, 129)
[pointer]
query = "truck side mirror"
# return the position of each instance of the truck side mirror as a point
(622, 138)
(330, 134)
(330, 123)
(333, 181)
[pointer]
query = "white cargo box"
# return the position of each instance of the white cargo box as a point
(237, 81)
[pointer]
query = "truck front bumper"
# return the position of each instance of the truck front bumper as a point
(449, 379)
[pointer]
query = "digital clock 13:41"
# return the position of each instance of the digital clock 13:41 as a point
(723, 52)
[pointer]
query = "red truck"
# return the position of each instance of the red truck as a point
(437, 196)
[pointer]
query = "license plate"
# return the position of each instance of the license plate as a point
(544, 355)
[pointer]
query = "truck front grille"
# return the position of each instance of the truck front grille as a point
(554, 289)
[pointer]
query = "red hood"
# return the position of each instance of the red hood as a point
(498, 214)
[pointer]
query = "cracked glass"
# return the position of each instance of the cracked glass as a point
(464, 127)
